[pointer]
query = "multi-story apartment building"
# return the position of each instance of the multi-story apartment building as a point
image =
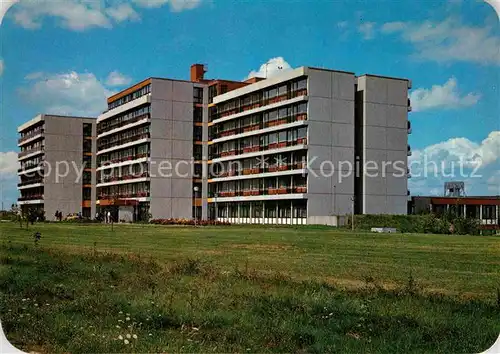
(290, 149)
(152, 148)
(296, 148)
(57, 165)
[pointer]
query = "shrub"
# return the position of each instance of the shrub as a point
(425, 223)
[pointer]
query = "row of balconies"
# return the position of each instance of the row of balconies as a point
(124, 158)
(30, 181)
(29, 166)
(123, 141)
(249, 149)
(30, 197)
(30, 135)
(30, 151)
(260, 125)
(123, 195)
(107, 179)
(261, 103)
(265, 191)
(104, 128)
(257, 170)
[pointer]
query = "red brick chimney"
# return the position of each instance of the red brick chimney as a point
(197, 72)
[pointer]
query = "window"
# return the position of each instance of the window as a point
(198, 114)
(301, 132)
(299, 85)
(282, 137)
(282, 90)
(130, 97)
(283, 113)
(489, 212)
(198, 95)
(271, 93)
(212, 92)
(273, 138)
(87, 129)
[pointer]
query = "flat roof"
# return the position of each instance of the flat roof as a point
(385, 77)
(41, 117)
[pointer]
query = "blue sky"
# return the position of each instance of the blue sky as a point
(57, 57)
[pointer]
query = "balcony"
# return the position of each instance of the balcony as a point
(409, 127)
(261, 192)
(108, 127)
(260, 125)
(33, 151)
(409, 153)
(35, 133)
(409, 105)
(112, 196)
(238, 108)
(269, 147)
(30, 197)
(119, 143)
(123, 159)
(30, 182)
(131, 177)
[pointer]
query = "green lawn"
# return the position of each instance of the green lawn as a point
(240, 289)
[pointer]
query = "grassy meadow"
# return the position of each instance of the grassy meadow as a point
(87, 288)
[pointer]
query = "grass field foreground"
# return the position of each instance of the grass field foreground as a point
(251, 289)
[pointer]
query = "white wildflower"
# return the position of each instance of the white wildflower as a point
(120, 312)
(117, 326)
(24, 300)
(126, 341)
(127, 319)
(120, 337)
(150, 334)
(134, 336)
(128, 336)
(36, 305)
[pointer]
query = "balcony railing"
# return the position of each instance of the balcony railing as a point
(30, 135)
(260, 125)
(116, 125)
(124, 158)
(123, 195)
(260, 103)
(107, 179)
(261, 191)
(123, 141)
(272, 146)
(31, 151)
(32, 181)
(30, 197)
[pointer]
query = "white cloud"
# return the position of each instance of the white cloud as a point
(456, 149)
(1, 67)
(494, 183)
(79, 15)
(67, 93)
(367, 29)
(272, 67)
(8, 163)
(442, 96)
(456, 159)
(449, 40)
(122, 13)
(175, 5)
(116, 78)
